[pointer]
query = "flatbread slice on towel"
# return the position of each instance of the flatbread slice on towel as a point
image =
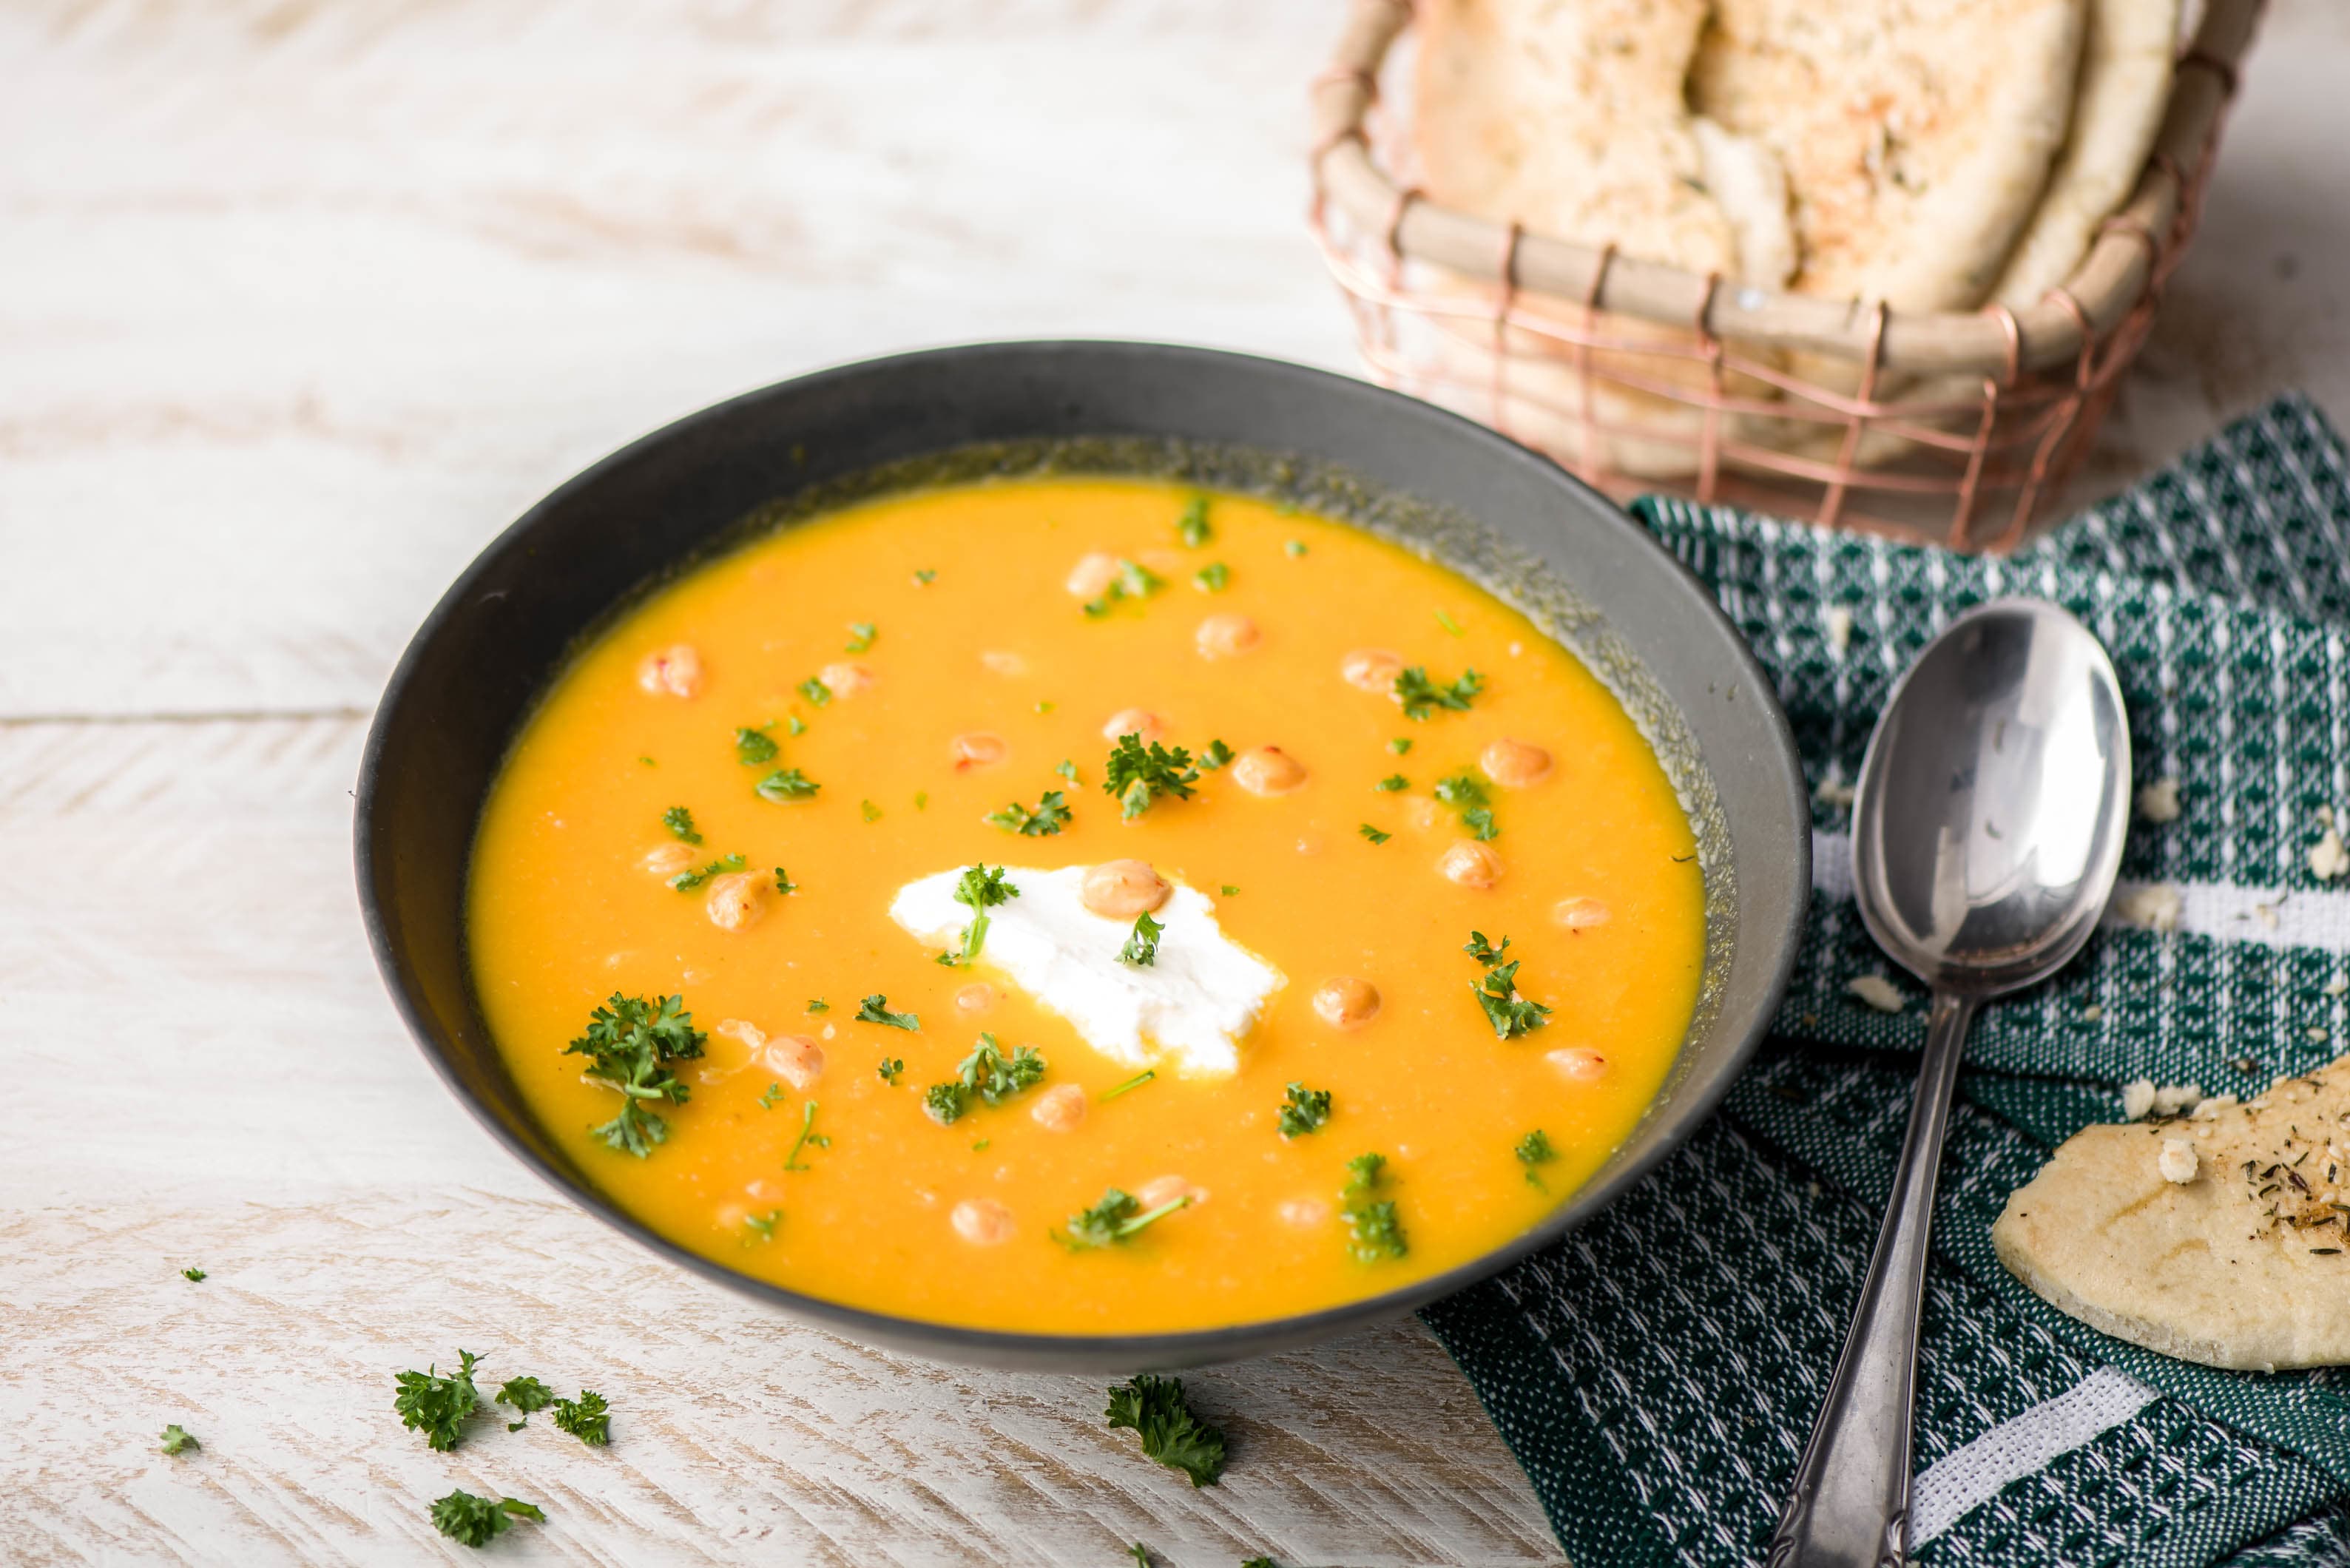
(2221, 1237)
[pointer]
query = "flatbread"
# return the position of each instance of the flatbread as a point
(2124, 86)
(2244, 1266)
(1917, 135)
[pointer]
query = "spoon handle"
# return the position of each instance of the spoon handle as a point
(1851, 1503)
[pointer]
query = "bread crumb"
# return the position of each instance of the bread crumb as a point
(1838, 620)
(1878, 992)
(2178, 1161)
(2337, 986)
(2206, 1109)
(2092, 1012)
(2158, 802)
(2316, 1032)
(2138, 1098)
(2153, 907)
(2169, 1099)
(2327, 859)
(1833, 791)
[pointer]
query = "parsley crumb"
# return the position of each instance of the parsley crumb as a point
(753, 747)
(1463, 792)
(525, 1394)
(1192, 527)
(649, 761)
(763, 1226)
(787, 783)
(783, 883)
(1067, 770)
(1391, 783)
(770, 1097)
(861, 636)
(809, 1138)
(1535, 1150)
(923, 576)
(995, 1077)
(1293, 548)
(946, 1102)
(1230, 891)
(435, 1406)
(1132, 582)
(875, 1009)
(1400, 745)
(193, 1276)
(471, 1521)
(177, 1439)
(1134, 1083)
(1154, 1410)
(631, 1042)
(1307, 1110)
(1510, 1014)
(1215, 755)
(1484, 951)
(794, 725)
(890, 1068)
(869, 811)
(1479, 821)
(587, 1418)
(818, 1005)
(1212, 578)
(1141, 950)
(921, 800)
(1374, 1231)
(1373, 834)
(1042, 708)
(1446, 622)
(679, 821)
(1138, 775)
(1052, 814)
(687, 881)
(979, 1144)
(816, 692)
(1421, 697)
(1115, 1219)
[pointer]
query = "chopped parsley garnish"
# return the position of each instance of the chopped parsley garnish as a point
(1154, 1410)
(771, 1096)
(946, 1102)
(787, 783)
(1463, 790)
(1293, 548)
(1116, 1218)
(1479, 821)
(1400, 745)
(860, 636)
(1307, 1110)
(1373, 834)
(753, 747)
(1510, 1013)
(687, 881)
(1134, 1083)
(1446, 622)
(177, 1439)
(1230, 891)
(924, 576)
(1260, 1563)
(1535, 1150)
(1138, 774)
(1051, 815)
(783, 883)
(1484, 951)
(809, 1138)
(995, 1077)
(587, 1418)
(1421, 697)
(193, 1276)
(437, 1406)
(763, 1226)
(979, 891)
(1141, 950)
(471, 1521)
(1140, 1553)
(794, 725)
(1215, 755)
(890, 1068)
(1374, 1232)
(631, 1042)
(1067, 770)
(1192, 527)
(921, 800)
(1132, 582)
(525, 1394)
(875, 1009)
(818, 1005)
(816, 691)
(869, 811)
(1391, 783)
(679, 821)
(1212, 578)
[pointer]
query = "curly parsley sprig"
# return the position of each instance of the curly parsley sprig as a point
(1154, 1410)
(1136, 775)
(632, 1042)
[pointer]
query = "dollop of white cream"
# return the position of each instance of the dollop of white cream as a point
(1188, 1012)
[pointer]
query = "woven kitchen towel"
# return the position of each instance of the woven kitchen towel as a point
(1658, 1371)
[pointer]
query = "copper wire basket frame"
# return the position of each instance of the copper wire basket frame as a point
(2046, 373)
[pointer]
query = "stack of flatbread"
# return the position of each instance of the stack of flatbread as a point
(1930, 154)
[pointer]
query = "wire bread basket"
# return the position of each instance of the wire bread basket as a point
(1957, 427)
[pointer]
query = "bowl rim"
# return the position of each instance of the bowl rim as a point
(967, 1345)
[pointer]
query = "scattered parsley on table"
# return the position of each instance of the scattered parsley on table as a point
(1154, 1409)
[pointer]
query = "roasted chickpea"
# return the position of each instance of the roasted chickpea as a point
(1515, 764)
(983, 1221)
(1580, 914)
(846, 679)
(672, 671)
(796, 1059)
(668, 860)
(1577, 1064)
(1000, 661)
(976, 996)
(1306, 1213)
(1226, 636)
(735, 901)
(978, 749)
(1268, 770)
(1162, 1189)
(1092, 575)
(1346, 1002)
(1059, 1108)
(1371, 669)
(1121, 889)
(1141, 723)
(1470, 864)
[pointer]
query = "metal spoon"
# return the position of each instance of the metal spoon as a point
(1987, 827)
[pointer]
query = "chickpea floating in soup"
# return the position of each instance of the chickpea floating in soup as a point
(1074, 937)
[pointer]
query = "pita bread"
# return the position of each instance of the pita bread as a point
(2124, 86)
(2244, 1264)
(1917, 135)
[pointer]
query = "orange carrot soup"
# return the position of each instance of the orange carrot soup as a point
(1084, 906)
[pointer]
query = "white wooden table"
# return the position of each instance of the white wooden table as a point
(300, 303)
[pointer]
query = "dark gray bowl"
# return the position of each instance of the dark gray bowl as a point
(1398, 467)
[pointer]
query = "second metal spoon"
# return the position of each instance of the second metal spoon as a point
(1987, 829)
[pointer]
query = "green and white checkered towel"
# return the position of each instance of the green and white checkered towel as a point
(1658, 1371)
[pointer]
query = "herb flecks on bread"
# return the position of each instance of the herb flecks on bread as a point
(2245, 1263)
